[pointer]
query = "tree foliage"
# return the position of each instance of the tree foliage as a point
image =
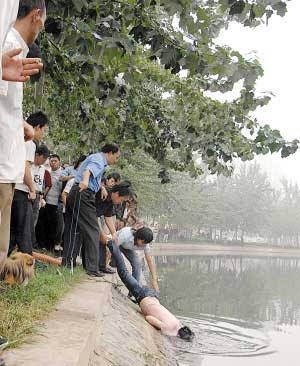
(235, 208)
(113, 71)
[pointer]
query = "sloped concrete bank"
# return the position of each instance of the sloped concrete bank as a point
(126, 339)
(95, 325)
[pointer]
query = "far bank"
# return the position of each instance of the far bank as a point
(226, 250)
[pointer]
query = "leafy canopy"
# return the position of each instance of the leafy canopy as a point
(114, 72)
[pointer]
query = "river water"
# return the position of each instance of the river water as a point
(244, 311)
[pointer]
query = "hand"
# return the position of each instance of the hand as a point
(28, 131)
(43, 203)
(83, 185)
(114, 237)
(154, 284)
(104, 193)
(19, 70)
(103, 237)
(31, 196)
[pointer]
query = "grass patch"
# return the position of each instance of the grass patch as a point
(21, 307)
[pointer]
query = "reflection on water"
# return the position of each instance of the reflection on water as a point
(249, 302)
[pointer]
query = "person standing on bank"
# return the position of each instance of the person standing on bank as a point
(118, 194)
(81, 210)
(22, 225)
(130, 241)
(12, 146)
(42, 183)
(51, 224)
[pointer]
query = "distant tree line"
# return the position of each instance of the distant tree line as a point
(237, 209)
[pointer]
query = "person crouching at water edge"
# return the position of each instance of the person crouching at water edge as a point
(156, 314)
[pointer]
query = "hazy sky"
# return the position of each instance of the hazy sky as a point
(278, 49)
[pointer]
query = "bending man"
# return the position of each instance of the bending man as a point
(156, 314)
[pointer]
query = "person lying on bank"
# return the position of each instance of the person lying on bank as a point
(155, 314)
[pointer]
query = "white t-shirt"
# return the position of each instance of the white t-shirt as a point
(67, 188)
(12, 146)
(126, 239)
(38, 173)
(53, 195)
(69, 185)
(8, 14)
(30, 153)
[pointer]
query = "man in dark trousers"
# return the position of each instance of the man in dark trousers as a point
(118, 194)
(81, 217)
(22, 225)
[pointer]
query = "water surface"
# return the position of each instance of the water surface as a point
(244, 311)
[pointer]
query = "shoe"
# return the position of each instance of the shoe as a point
(3, 343)
(107, 270)
(112, 263)
(94, 274)
(132, 298)
(2, 362)
(58, 248)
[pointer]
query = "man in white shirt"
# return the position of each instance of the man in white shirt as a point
(130, 241)
(10, 68)
(30, 21)
(8, 14)
(22, 227)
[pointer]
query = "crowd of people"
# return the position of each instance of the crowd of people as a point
(72, 210)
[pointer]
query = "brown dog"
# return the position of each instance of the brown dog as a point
(18, 269)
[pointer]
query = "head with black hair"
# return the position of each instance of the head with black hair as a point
(143, 236)
(112, 179)
(79, 161)
(186, 333)
(30, 19)
(41, 155)
(39, 122)
(54, 162)
(121, 193)
(111, 152)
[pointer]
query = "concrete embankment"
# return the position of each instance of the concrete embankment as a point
(223, 250)
(95, 325)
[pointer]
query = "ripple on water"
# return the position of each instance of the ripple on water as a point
(225, 337)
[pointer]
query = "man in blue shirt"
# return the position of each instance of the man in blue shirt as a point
(81, 217)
